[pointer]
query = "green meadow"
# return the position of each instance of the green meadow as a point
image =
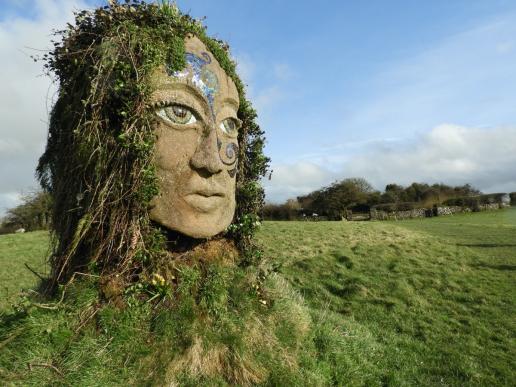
(416, 302)
(17, 251)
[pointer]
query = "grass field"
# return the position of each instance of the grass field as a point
(16, 250)
(419, 302)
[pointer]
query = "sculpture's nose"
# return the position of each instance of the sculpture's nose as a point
(206, 156)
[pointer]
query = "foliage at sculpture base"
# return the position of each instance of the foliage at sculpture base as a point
(214, 327)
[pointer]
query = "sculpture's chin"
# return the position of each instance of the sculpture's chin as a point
(200, 229)
(198, 220)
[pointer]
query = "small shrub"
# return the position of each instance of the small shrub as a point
(512, 195)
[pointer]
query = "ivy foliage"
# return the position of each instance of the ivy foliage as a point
(98, 161)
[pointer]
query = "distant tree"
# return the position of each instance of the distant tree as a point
(292, 204)
(425, 194)
(393, 193)
(290, 210)
(358, 195)
(512, 196)
(374, 198)
(415, 192)
(333, 201)
(466, 190)
(32, 214)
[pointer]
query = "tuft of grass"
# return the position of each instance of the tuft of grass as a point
(221, 324)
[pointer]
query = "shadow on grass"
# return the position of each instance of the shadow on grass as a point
(344, 260)
(486, 245)
(350, 287)
(495, 267)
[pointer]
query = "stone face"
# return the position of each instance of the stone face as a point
(196, 149)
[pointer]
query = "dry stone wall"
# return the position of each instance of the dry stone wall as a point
(426, 213)
(491, 206)
(445, 210)
(398, 215)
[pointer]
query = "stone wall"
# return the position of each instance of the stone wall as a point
(450, 210)
(398, 215)
(426, 213)
(490, 206)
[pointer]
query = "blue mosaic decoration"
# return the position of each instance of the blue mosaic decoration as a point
(203, 78)
(231, 152)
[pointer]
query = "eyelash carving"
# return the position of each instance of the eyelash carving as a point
(176, 113)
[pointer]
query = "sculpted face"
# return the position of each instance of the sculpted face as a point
(196, 149)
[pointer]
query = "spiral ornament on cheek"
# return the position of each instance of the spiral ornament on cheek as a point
(228, 155)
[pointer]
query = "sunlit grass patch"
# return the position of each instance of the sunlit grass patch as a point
(16, 251)
(434, 296)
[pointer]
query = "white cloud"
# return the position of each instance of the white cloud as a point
(504, 47)
(383, 134)
(267, 98)
(448, 153)
(291, 180)
(245, 67)
(25, 93)
(452, 154)
(8, 200)
(266, 83)
(283, 71)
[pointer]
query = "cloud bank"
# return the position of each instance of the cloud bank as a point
(25, 95)
(451, 154)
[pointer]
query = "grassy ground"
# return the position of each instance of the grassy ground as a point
(16, 250)
(421, 302)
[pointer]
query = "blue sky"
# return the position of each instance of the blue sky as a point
(393, 91)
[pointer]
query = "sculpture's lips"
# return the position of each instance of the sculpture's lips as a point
(205, 200)
(208, 193)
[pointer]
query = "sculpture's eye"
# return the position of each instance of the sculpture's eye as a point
(230, 127)
(177, 114)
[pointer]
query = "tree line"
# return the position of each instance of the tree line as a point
(32, 214)
(358, 195)
(333, 202)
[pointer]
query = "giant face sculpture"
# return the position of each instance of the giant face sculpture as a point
(196, 148)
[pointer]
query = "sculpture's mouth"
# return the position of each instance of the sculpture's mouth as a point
(208, 193)
(205, 200)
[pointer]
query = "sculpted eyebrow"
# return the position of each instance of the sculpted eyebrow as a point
(195, 91)
(186, 90)
(184, 87)
(230, 101)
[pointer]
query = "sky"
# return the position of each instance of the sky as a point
(392, 91)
